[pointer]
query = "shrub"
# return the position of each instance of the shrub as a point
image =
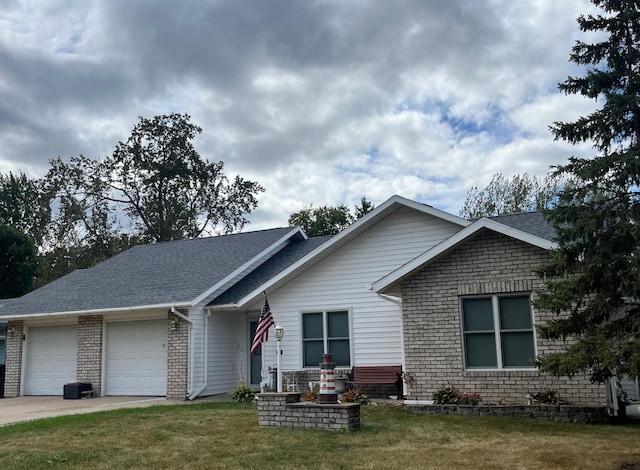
(311, 395)
(469, 399)
(446, 396)
(548, 397)
(242, 394)
(354, 396)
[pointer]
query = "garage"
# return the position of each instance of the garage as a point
(51, 354)
(136, 358)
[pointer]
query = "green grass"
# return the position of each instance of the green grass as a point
(226, 435)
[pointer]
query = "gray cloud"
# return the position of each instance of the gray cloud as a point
(320, 101)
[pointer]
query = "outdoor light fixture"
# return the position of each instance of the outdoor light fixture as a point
(279, 332)
(279, 335)
(173, 324)
(11, 330)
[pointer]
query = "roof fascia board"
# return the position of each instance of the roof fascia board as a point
(100, 311)
(419, 262)
(380, 211)
(294, 231)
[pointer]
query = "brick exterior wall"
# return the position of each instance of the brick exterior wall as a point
(89, 360)
(13, 362)
(177, 357)
(489, 263)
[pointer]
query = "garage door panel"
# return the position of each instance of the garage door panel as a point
(136, 358)
(51, 359)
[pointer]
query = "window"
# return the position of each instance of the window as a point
(498, 332)
(325, 331)
(3, 341)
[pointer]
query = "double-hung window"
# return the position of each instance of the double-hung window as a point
(498, 332)
(325, 331)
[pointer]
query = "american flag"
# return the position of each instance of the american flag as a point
(262, 330)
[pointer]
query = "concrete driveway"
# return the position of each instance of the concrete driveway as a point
(13, 410)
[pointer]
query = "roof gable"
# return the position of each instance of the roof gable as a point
(336, 242)
(176, 273)
(389, 282)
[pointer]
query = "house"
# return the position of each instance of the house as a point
(132, 325)
(176, 319)
(468, 318)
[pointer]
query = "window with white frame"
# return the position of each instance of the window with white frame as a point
(498, 332)
(325, 331)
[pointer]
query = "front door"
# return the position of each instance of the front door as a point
(255, 360)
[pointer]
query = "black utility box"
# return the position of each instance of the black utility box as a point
(73, 391)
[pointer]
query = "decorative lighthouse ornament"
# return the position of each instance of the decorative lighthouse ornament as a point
(327, 381)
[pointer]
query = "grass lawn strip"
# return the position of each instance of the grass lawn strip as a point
(226, 435)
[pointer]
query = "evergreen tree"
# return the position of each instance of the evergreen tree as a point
(18, 262)
(594, 275)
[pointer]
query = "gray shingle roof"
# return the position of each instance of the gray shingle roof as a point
(163, 273)
(530, 222)
(294, 251)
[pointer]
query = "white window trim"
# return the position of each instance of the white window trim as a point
(497, 331)
(325, 331)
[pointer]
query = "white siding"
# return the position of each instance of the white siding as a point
(342, 281)
(226, 364)
(196, 376)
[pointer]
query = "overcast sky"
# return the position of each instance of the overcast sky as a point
(320, 101)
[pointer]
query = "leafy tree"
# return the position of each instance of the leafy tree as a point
(156, 181)
(24, 205)
(325, 220)
(61, 260)
(18, 262)
(510, 196)
(594, 275)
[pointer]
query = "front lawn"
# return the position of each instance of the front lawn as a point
(226, 435)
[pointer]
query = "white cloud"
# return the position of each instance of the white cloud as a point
(321, 102)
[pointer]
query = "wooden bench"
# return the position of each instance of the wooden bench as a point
(377, 375)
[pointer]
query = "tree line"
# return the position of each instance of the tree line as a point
(154, 187)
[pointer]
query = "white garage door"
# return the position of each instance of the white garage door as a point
(136, 358)
(51, 359)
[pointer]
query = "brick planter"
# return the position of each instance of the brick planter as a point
(286, 410)
(572, 414)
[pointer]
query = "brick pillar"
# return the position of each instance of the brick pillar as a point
(13, 370)
(89, 363)
(177, 357)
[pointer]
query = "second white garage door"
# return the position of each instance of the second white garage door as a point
(136, 358)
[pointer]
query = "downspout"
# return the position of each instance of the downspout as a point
(191, 395)
(181, 315)
(398, 301)
(389, 298)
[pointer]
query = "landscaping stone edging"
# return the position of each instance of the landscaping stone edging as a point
(564, 413)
